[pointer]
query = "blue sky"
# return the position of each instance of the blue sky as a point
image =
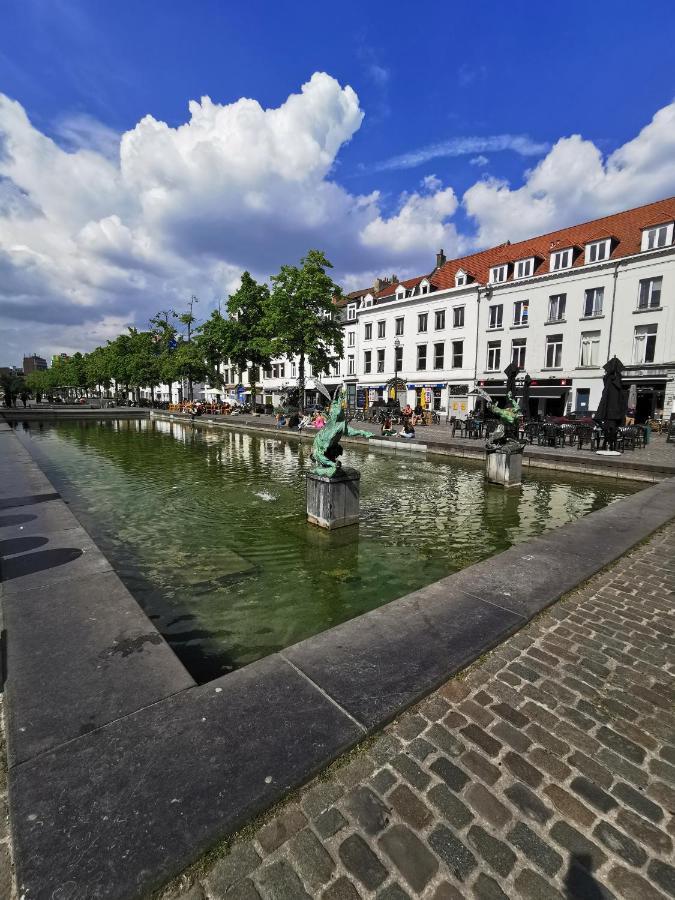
(451, 98)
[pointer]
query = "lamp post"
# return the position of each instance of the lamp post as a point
(397, 347)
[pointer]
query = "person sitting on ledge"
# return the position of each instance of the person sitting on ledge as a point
(294, 420)
(319, 420)
(407, 411)
(279, 420)
(408, 430)
(305, 421)
(387, 428)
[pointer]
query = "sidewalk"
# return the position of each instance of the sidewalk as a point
(547, 771)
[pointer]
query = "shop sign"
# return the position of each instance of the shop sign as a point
(458, 390)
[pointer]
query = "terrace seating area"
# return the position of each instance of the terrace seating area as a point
(574, 435)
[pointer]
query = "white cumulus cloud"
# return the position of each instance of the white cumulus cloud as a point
(574, 182)
(99, 231)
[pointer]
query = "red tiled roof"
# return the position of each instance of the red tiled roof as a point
(624, 227)
(391, 289)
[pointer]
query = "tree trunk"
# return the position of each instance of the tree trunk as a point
(252, 378)
(301, 381)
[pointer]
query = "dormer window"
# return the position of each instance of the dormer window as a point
(525, 268)
(367, 301)
(562, 259)
(499, 273)
(400, 293)
(461, 278)
(351, 311)
(658, 236)
(598, 250)
(424, 287)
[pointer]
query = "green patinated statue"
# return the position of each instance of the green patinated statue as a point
(509, 415)
(326, 447)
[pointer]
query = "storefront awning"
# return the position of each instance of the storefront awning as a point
(550, 392)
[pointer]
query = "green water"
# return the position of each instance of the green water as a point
(208, 531)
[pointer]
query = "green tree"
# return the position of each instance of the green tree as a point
(212, 338)
(247, 333)
(11, 385)
(99, 371)
(302, 315)
(164, 332)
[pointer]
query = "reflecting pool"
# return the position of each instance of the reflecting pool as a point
(207, 528)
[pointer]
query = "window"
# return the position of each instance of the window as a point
(336, 368)
(458, 317)
(521, 309)
(351, 311)
(644, 344)
(439, 356)
(421, 357)
(660, 236)
(460, 279)
(590, 348)
(525, 268)
(399, 326)
(495, 314)
(380, 360)
(367, 362)
(425, 288)
(553, 358)
(593, 302)
(381, 329)
(649, 295)
(439, 319)
(597, 251)
(422, 321)
(398, 358)
(294, 370)
(368, 331)
(494, 355)
(457, 354)
(351, 338)
(518, 352)
(562, 259)
(400, 293)
(556, 307)
(499, 273)
(367, 302)
(350, 365)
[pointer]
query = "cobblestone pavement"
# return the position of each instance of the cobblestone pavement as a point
(548, 771)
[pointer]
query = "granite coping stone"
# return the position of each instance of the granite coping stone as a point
(105, 660)
(118, 810)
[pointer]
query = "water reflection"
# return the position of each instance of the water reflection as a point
(207, 528)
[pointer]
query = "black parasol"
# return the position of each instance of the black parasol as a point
(611, 410)
(525, 399)
(511, 371)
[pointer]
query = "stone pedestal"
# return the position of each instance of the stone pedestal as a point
(333, 502)
(504, 467)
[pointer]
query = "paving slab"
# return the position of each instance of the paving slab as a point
(81, 654)
(380, 662)
(125, 807)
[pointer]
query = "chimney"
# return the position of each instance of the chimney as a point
(394, 279)
(440, 259)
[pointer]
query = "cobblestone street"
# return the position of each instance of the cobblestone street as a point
(547, 771)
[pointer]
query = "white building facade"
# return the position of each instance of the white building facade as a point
(559, 305)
